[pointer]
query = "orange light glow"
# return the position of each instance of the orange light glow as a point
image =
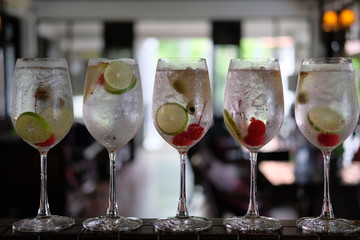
(330, 21)
(346, 18)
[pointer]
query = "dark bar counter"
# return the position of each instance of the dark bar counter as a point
(146, 231)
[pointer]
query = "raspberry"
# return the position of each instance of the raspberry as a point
(328, 140)
(253, 140)
(256, 133)
(256, 128)
(50, 141)
(195, 131)
(182, 139)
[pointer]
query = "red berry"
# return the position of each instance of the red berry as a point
(254, 141)
(195, 131)
(328, 140)
(256, 133)
(101, 79)
(182, 139)
(42, 94)
(256, 128)
(50, 141)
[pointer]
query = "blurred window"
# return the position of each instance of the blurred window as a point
(223, 54)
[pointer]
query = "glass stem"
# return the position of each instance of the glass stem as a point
(327, 211)
(112, 210)
(44, 209)
(182, 211)
(253, 207)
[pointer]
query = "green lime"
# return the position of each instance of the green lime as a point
(180, 86)
(121, 91)
(33, 128)
(325, 120)
(119, 78)
(182, 80)
(171, 118)
(231, 126)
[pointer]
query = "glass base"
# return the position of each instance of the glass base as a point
(252, 223)
(188, 224)
(105, 223)
(43, 224)
(326, 225)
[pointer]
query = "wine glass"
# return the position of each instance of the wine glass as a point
(326, 112)
(113, 113)
(182, 113)
(42, 114)
(253, 114)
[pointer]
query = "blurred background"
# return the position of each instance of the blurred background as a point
(290, 170)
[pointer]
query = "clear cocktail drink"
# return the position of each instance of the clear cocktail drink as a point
(113, 113)
(253, 114)
(182, 113)
(326, 112)
(42, 114)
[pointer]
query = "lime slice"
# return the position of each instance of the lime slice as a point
(171, 118)
(231, 126)
(32, 127)
(325, 120)
(116, 91)
(119, 78)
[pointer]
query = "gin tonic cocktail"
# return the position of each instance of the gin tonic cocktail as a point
(42, 114)
(112, 113)
(326, 113)
(253, 114)
(182, 113)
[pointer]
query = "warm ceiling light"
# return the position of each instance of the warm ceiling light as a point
(346, 18)
(330, 21)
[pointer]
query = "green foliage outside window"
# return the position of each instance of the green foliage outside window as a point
(186, 47)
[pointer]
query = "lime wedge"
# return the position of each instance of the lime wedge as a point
(171, 118)
(119, 78)
(325, 120)
(303, 88)
(231, 126)
(33, 128)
